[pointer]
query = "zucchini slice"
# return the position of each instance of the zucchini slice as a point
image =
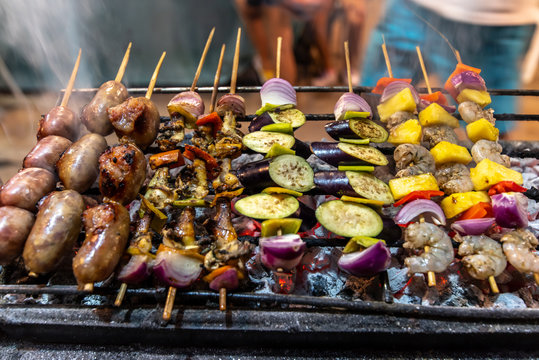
(349, 219)
(292, 172)
(262, 141)
(267, 206)
(364, 153)
(293, 117)
(368, 129)
(370, 187)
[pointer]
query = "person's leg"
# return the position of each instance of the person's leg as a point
(279, 23)
(320, 22)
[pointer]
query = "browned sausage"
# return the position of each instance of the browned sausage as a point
(15, 225)
(46, 153)
(135, 120)
(94, 115)
(78, 167)
(107, 232)
(57, 226)
(26, 188)
(59, 121)
(122, 171)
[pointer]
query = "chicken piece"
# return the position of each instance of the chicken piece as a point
(437, 133)
(413, 160)
(453, 178)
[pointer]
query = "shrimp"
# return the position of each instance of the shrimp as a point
(453, 178)
(398, 118)
(413, 160)
(483, 257)
(440, 255)
(434, 134)
(485, 149)
(470, 112)
(519, 247)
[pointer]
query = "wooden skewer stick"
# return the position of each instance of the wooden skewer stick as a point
(88, 287)
(123, 65)
(169, 305)
(222, 299)
(457, 55)
(493, 285)
(424, 69)
(235, 64)
(71, 82)
(386, 56)
(536, 278)
(216, 80)
(278, 59)
(202, 59)
(348, 72)
(154, 76)
(121, 295)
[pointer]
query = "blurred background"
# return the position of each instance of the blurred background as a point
(39, 41)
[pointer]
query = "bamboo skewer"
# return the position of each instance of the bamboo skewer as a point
(154, 76)
(424, 69)
(202, 59)
(69, 87)
(216, 79)
(386, 57)
(457, 55)
(278, 58)
(121, 294)
(169, 304)
(235, 64)
(348, 71)
(536, 278)
(123, 65)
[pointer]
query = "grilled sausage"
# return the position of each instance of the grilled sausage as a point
(46, 153)
(94, 115)
(78, 167)
(107, 232)
(59, 121)
(26, 188)
(57, 226)
(122, 171)
(135, 120)
(15, 225)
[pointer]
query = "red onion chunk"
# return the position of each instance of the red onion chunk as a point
(368, 262)
(396, 87)
(136, 270)
(284, 251)
(424, 103)
(189, 101)
(350, 102)
(278, 91)
(227, 280)
(472, 226)
(176, 269)
(468, 80)
(233, 103)
(510, 209)
(413, 209)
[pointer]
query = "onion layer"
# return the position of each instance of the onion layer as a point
(396, 87)
(350, 102)
(468, 80)
(472, 226)
(233, 103)
(283, 251)
(136, 270)
(278, 91)
(367, 262)
(188, 101)
(413, 209)
(176, 269)
(227, 280)
(510, 209)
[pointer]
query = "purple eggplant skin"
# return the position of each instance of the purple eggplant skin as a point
(255, 175)
(330, 153)
(302, 149)
(334, 183)
(307, 215)
(340, 129)
(260, 121)
(391, 232)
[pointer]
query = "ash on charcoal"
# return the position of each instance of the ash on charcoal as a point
(94, 300)
(508, 301)
(319, 165)
(363, 288)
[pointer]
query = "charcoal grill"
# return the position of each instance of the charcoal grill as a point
(62, 313)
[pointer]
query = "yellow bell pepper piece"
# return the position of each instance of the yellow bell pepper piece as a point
(482, 129)
(434, 114)
(402, 101)
(408, 132)
(488, 173)
(446, 152)
(457, 203)
(481, 98)
(400, 187)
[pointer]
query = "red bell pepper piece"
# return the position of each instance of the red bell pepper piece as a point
(478, 211)
(212, 166)
(213, 119)
(436, 97)
(506, 186)
(385, 81)
(418, 194)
